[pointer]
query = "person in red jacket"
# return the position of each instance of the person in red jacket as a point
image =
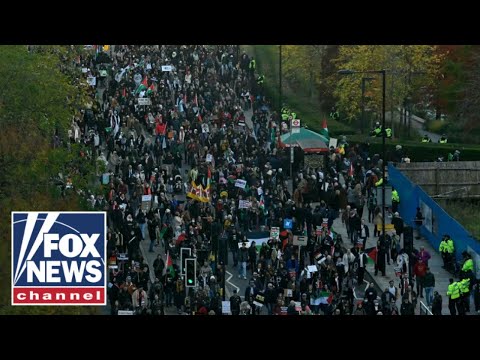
(420, 269)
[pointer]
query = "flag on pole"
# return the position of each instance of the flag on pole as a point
(261, 204)
(150, 90)
(207, 189)
(324, 130)
(140, 88)
(169, 266)
(194, 192)
(372, 254)
(350, 170)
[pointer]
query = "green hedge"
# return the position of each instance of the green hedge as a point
(418, 151)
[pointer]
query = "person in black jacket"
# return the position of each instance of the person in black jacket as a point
(252, 256)
(250, 293)
(235, 301)
(270, 297)
(397, 222)
(437, 303)
(407, 308)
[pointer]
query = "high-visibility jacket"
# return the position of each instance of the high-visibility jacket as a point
(443, 246)
(252, 64)
(443, 141)
(453, 291)
(377, 131)
(465, 286)
(426, 140)
(395, 196)
(450, 246)
(388, 132)
(260, 79)
(284, 116)
(341, 150)
(379, 182)
(294, 115)
(468, 265)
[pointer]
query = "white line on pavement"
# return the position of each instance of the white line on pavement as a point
(228, 280)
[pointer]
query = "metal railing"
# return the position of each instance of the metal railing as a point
(424, 310)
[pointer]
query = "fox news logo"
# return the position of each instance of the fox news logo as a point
(58, 258)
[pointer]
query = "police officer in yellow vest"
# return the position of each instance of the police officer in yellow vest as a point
(334, 113)
(426, 139)
(443, 139)
(251, 67)
(388, 133)
(293, 115)
(467, 267)
(465, 290)
(395, 200)
(453, 294)
(377, 131)
(446, 250)
(260, 79)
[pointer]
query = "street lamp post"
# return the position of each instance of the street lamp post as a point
(362, 120)
(280, 95)
(383, 73)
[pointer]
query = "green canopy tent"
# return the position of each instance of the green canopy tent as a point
(308, 140)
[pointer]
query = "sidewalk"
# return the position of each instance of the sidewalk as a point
(435, 264)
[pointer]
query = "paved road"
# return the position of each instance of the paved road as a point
(417, 124)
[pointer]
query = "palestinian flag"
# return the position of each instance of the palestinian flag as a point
(150, 90)
(140, 88)
(145, 82)
(262, 204)
(324, 130)
(259, 237)
(163, 231)
(372, 254)
(326, 297)
(169, 266)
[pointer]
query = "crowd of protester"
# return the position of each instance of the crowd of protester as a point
(191, 138)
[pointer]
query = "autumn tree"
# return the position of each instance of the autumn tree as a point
(302, 65)
(410, 68)
(40, 91)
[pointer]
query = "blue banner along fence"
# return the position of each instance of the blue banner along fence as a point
(437, 222)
